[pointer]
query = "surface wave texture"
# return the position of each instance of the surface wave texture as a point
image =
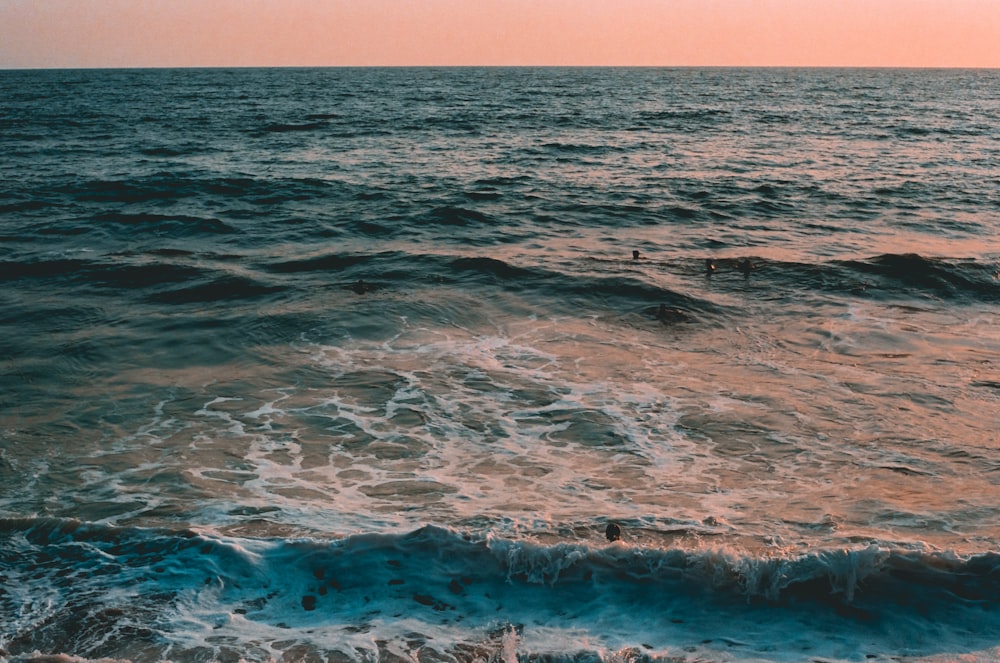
(360, 364)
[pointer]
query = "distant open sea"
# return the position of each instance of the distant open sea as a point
(359, 365)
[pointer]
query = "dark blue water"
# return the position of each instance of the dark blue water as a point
(358, 364)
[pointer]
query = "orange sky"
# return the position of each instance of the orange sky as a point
(155, 33)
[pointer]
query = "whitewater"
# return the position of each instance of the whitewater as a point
(360, 365)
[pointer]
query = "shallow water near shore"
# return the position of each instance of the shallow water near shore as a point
(357, 364)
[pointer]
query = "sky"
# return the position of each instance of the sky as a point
(226, 33)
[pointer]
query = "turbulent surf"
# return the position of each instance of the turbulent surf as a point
(360, 364)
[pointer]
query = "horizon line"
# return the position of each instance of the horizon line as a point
(504, 66)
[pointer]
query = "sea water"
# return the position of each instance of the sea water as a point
(358, 365)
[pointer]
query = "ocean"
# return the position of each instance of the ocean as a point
(362, 364)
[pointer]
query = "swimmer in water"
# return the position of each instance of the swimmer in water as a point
(613, 532)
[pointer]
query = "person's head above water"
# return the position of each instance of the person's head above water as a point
(613, 532)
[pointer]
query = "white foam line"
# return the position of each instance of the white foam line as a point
(268, 408)
(235, 427)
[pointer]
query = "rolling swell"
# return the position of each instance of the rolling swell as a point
(219, 287)
(325, 263)
(279, 127)
(456, 216)
(114, 275)
(171, 276)
(401, 271)
(595, 289)
(167, 187)
(946, 279)
(408, 586)
(883, 277)
(171, 225)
